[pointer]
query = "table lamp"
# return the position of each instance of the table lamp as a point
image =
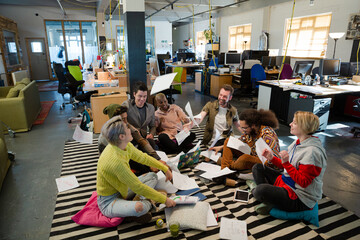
(336, 36)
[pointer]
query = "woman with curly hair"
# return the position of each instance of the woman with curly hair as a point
(255, 124)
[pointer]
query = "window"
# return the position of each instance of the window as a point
(308, 37)
(200, 38)
(36, 47)
(120, 40)
(240, 37)
(79, 37)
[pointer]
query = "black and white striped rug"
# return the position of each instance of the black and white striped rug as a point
(81, 160)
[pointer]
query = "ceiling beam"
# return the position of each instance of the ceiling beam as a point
(169, 4)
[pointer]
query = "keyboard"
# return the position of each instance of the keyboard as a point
(338, 81)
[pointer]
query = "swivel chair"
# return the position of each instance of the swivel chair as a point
(67, 84)
(257, 74)
(174, 89)
(286, 71)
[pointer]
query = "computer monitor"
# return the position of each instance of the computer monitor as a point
(345, 69)
(268, 62)
(182, 50)
(258, 54)
(190, 56)
(353, 68)
(181, 55)
(221, 58)
(233, 60)
(279, 60)
(329, 67)
(163, 56)
(302, 67)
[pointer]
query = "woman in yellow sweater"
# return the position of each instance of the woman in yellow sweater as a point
(117, 185)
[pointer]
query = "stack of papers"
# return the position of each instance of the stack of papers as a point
(66, 183)
(233, 229)
(211, 154)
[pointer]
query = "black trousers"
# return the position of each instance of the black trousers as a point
(267, 193)
(169, 146)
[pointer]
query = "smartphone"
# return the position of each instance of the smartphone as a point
(241, 196)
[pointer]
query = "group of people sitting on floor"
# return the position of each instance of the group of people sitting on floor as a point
(126, 175)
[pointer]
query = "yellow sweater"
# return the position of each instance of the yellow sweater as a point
(114, 173)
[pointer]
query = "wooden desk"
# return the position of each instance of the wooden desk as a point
(217, 81)
(99, 103)
(184, 66)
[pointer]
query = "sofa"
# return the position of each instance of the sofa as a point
(4, 160)
(19, 105)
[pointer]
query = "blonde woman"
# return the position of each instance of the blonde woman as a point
(300, 186)
(117, 185)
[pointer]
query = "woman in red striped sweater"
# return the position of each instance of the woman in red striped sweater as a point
(299, 187)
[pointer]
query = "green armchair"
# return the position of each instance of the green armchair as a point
(20, 112)
(4, 160)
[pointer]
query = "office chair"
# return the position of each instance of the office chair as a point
(257, 74)
(162, 65)
(174, 89)
(286, 71)
(67, 84)
(315, 71)
(71, 63)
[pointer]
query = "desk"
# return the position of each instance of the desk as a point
(99, 103)
(217, 81)
(283, 100)
(185, 66)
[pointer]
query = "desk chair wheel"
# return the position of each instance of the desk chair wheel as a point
(62, 106)
(355, 131)
(11, 156)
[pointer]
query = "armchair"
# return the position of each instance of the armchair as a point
(4, 159)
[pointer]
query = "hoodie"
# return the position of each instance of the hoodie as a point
(304, 171)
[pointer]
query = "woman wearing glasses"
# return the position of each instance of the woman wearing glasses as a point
(300, 186)
(255, 124)
(117, 185)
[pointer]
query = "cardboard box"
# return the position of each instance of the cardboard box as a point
(356, 78)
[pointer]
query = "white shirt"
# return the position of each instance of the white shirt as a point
(220, 123)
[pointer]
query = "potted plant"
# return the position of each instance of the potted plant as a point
(208, 33)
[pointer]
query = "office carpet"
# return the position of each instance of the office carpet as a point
(45, 109)
(81, 160)
(48, 86)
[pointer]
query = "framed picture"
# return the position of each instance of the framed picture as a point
(353, 30)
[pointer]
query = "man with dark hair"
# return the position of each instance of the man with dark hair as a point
(141, 114)
(222, 115)
(115, 110)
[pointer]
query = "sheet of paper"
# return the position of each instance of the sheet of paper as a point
(336, 126)
(161, 184)
(66, 183)
(174, 162)
(208, 167)
(162, 156)
(196, 147)
(233, 229)
(162, 82)
(246, 176)
(211, 154)
(217, 136)
(181, 136)
(190, 113)
(238, 145)
(183, 182)
(211, 220)
(260, 147)
(211, 175)
(82, 136)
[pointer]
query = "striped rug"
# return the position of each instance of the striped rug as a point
(81, 160)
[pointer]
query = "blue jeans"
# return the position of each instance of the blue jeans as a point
(116, 206)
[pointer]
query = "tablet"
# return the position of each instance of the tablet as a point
(241, 196)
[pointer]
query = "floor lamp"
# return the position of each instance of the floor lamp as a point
(336, 37)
